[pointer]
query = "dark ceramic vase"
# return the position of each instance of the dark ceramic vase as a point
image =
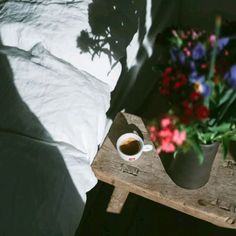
(232, 149)
(186, 171)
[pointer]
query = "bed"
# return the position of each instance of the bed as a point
(54, 103)
(53, 116)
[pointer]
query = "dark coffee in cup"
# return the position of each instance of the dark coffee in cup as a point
(130, 146)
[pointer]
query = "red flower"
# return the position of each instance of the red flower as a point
(164, 91)
(178, 85)
(216, 80)
(167, 71)
(185, 104)
(195, 96)
(188, 111)
(166, 81)
(202, 112)
(183, 79)
(185, 120)
(204, 66)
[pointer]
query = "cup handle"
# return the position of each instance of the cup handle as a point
(147, 147)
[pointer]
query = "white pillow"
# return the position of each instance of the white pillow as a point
(56, 24)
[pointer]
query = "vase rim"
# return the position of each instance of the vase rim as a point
(210, 144)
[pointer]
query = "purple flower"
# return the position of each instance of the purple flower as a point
(177, 55)
(200, 85)
(193, 68)
(173, 54)
(181, 57)
(222, 42)
(230, 76)
(199, 51)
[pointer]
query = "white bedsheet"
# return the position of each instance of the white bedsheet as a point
(56, 24)
(70, 104)
(56, 98)
(53, 81)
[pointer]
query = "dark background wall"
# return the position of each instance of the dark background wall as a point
(201, 13)
(167, 13)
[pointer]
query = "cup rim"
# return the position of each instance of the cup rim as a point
(132, 135)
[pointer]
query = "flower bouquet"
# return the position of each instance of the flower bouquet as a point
(199, 86)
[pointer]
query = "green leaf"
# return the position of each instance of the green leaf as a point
(207, 137)
(224, 127)
(227, 106)
(226, 96)
(198, 151)
(175, 154)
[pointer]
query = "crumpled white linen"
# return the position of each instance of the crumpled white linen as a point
(56, 24)
(70, 104)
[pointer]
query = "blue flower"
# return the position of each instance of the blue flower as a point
(181, 58)
(193, 68)
(222, 42)
(200, 85)
(177, 55)
(230, 76)
(173, 54)
(199, 51)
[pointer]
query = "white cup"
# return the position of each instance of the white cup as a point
(130, 146)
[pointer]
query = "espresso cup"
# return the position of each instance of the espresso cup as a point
(130, 146)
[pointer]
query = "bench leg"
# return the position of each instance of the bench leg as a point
(117, 200)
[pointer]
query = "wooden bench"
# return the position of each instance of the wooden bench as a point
(215, 202)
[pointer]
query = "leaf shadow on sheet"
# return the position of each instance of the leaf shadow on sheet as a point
(113, 24)
(37, 196)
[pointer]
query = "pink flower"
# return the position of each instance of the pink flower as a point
(153, 133)
(212, 39)
(187, 52)
(179, 137)
(194, 35)
(152, 128)
(165, 122)
(165, 133)
(153, 137)
(167, 147)
(158, 150)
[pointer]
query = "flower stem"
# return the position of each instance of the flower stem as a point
(214, 51)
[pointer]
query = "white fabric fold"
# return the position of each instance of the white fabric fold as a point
(70, 104)
(55, 24)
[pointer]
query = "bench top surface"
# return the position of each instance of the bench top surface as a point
(215, 202)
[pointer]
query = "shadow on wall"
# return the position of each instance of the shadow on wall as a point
(201, 14)
(113, 24)
(138, 82)
(37, 194)
(164, 14)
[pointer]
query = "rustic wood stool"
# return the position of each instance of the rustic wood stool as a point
(215, 202)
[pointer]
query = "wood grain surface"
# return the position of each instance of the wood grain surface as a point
(215, 202)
